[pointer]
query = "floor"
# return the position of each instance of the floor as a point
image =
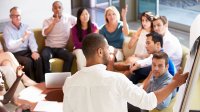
(97, 16)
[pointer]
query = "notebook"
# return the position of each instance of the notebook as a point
(56, 79)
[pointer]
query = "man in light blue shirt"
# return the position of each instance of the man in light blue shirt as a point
(159, 78)
(20, 40)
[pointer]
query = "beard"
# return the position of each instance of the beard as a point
(106, 59)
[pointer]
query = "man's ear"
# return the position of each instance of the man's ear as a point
(100, 51)
(158, 44)
(167, 66)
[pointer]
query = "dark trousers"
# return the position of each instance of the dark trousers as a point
(61, 53)
(140, 74)
(132, 108)
(32, 68)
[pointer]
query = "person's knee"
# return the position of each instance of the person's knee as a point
(68, 56)
(46, 54)
(28, 62)
(6, 62)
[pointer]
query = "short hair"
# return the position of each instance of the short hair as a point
(56, 2)
(114, 9)
(91, 43)
(162, 18)
(156, 37)
(161, 55)
(14, 8)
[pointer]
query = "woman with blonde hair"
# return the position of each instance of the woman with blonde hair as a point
(114, 29)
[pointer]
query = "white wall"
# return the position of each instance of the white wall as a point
(33, 11)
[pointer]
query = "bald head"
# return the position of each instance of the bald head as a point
(91, 43)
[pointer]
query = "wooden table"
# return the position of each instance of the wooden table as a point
(33, 94)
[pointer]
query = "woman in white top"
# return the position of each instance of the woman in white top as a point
(146, 27)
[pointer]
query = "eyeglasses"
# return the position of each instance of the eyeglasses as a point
(15, 16)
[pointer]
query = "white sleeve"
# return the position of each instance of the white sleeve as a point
(136, 95)
(145, 62)
(45, 25)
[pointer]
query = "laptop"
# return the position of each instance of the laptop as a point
(56, 79)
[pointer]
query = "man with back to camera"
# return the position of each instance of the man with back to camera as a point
(56, 29)
(94, 89)
(20, 40)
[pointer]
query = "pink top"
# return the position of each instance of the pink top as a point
(77, 43)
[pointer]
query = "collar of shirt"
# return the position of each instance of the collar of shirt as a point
(12, 25)
(161, 78)
(97, 66)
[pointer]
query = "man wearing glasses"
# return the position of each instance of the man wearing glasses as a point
(20, 40)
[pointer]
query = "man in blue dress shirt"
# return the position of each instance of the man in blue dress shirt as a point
(20, 40)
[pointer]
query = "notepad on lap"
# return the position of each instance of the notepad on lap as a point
(56, 79)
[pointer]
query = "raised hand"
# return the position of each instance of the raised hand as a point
(56, 18)
(180, 77)
(26, 35)
(124, 12)
(19, 71)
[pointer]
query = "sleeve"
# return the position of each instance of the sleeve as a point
(75, 37)
(72, 20)
(94, 27)
(165, 103)
(32, 43)
(172, 68)
(168, 48)
(9, 41)
(45, 25)
(66, 105)
(145, 62)
(136, 95)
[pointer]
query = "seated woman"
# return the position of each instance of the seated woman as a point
(83, 27)
(8, 59)
(140, 37)
(114, 30)
(6, 96)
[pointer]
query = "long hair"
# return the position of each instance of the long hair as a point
(149, 17)
(79, 25)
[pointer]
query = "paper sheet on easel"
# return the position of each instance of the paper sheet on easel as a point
(48, 106)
